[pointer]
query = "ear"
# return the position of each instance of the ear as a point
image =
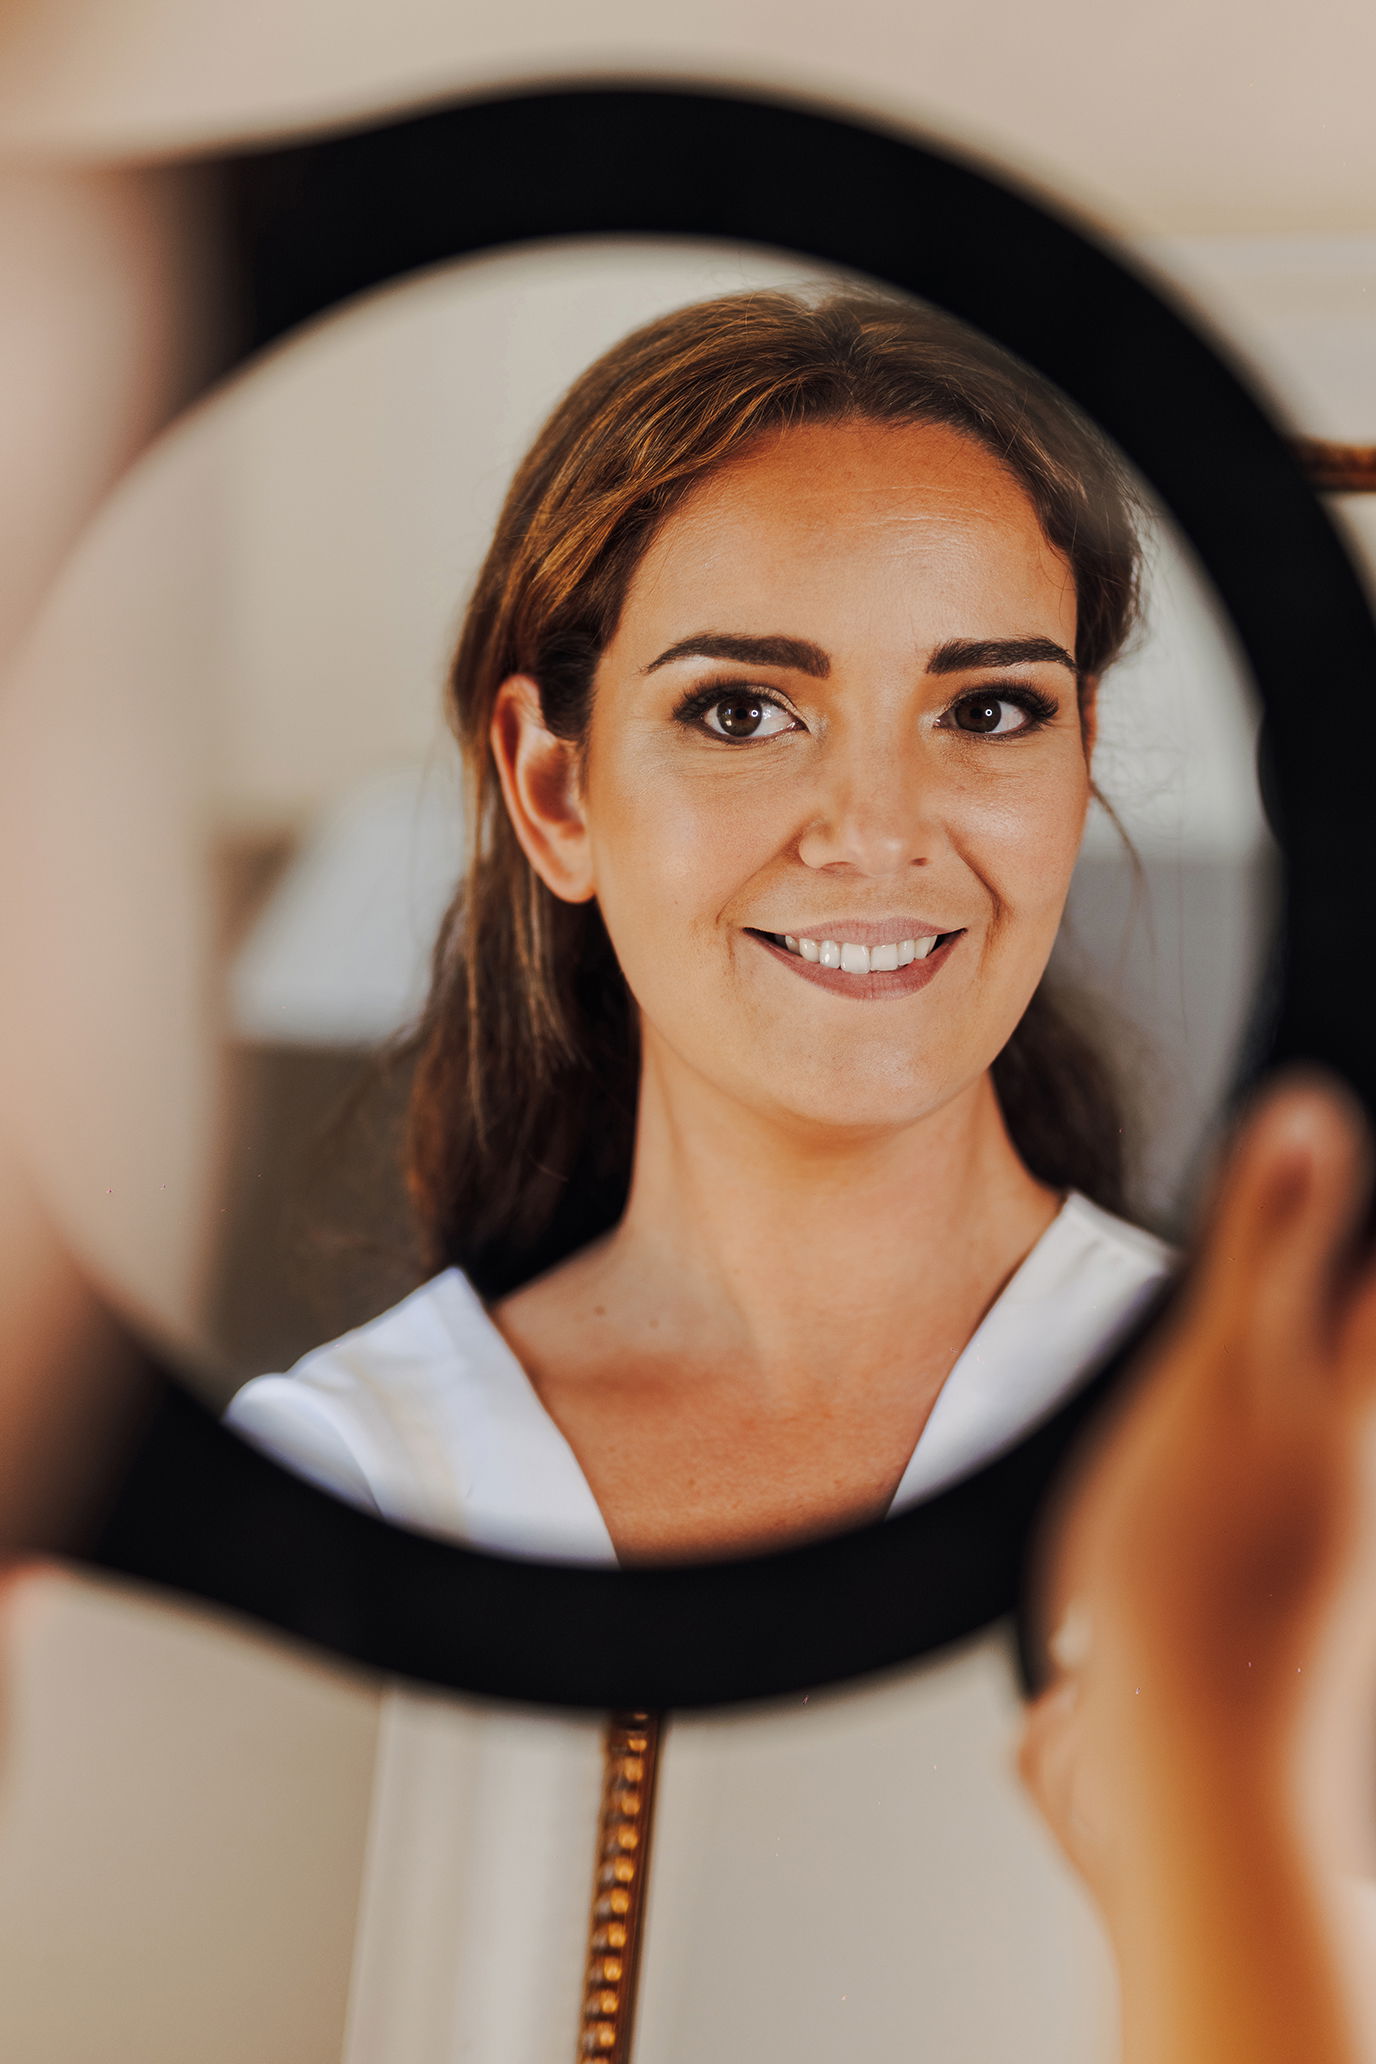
(539, 777)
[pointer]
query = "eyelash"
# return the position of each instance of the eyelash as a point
(696, 703)
(1040, 709)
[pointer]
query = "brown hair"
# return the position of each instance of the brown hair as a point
(523, 1105)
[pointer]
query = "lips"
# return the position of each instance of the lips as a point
(865, 970)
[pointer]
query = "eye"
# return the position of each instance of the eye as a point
(1001, 716)
(742, 713)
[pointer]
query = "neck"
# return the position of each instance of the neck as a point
(806, 1257)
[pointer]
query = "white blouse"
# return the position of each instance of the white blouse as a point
(425, 1416)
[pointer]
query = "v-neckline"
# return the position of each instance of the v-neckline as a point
(517, 1454)
(521, 1459)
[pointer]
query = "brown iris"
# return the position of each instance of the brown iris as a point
(740, 716)
(980, 713)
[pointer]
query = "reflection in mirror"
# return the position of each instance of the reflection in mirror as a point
(841, 1204)
(863, 692)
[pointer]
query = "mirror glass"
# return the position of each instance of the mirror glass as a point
(238, 817)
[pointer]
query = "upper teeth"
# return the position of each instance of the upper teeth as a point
(862, 960)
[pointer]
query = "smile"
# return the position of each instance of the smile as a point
(858, 960)
(887, 968)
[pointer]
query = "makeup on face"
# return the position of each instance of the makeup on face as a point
(837, 757)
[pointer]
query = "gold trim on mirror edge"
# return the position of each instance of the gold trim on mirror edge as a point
(1338, 468)
(631, 1757)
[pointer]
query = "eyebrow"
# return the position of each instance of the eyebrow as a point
(798, 653)
(959, 654)
(956, 656)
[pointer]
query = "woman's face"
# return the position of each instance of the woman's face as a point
(836, 775)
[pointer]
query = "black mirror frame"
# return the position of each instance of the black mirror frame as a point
(316, 223)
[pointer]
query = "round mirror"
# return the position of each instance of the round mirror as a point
(865, 900)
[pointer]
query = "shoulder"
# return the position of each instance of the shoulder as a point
(355, 1414)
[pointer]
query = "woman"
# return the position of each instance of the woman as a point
(769, 1190)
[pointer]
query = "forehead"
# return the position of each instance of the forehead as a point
(910, 523)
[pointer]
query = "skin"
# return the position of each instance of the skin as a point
(1203, 1751)
(824, 1200)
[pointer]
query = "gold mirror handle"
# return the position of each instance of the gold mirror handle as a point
(1338, 468)
(631, 1760)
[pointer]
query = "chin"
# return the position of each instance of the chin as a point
(851, 1108)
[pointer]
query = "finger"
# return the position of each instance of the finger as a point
(1290, 1331)
(1045, 1751)
(1286, 1205)
(1268, 1166)
(1355, 1354)
(1051, 1757)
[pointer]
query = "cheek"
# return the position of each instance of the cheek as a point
(1024, 840)
(675, 850)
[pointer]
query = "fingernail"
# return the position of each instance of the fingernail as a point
(1297, 1132)
(1303, 1123)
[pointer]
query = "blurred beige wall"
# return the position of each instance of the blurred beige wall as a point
(183, 1813)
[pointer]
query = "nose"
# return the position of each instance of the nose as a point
(875, 810)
